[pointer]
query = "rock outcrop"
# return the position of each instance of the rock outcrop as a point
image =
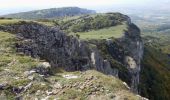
(61, 50)
(56, 47)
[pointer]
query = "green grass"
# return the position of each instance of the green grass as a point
(13, 21)
(116, 32)
(69, 18)
(8, 21)
(47, 23)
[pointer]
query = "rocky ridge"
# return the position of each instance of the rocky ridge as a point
(70, 53)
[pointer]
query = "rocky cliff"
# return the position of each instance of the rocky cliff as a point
(133, 44)
(71, 53)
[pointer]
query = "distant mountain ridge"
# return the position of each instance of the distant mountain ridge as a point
(50, 13)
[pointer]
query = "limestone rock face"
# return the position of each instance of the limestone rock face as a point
(131, 62)
(129, 51)
(100, 64)
(133, 43)
(51, 44)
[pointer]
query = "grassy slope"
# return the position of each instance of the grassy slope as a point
(105, 33)
(8, 21)
(13, 21)
(95, 26)
(12, 65)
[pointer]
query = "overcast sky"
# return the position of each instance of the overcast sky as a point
(12, 6)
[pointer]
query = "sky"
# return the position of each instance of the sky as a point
(13, 6)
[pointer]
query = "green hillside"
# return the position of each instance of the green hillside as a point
(50, 13)
(155, 74)
(95, 26)
(90, 22)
